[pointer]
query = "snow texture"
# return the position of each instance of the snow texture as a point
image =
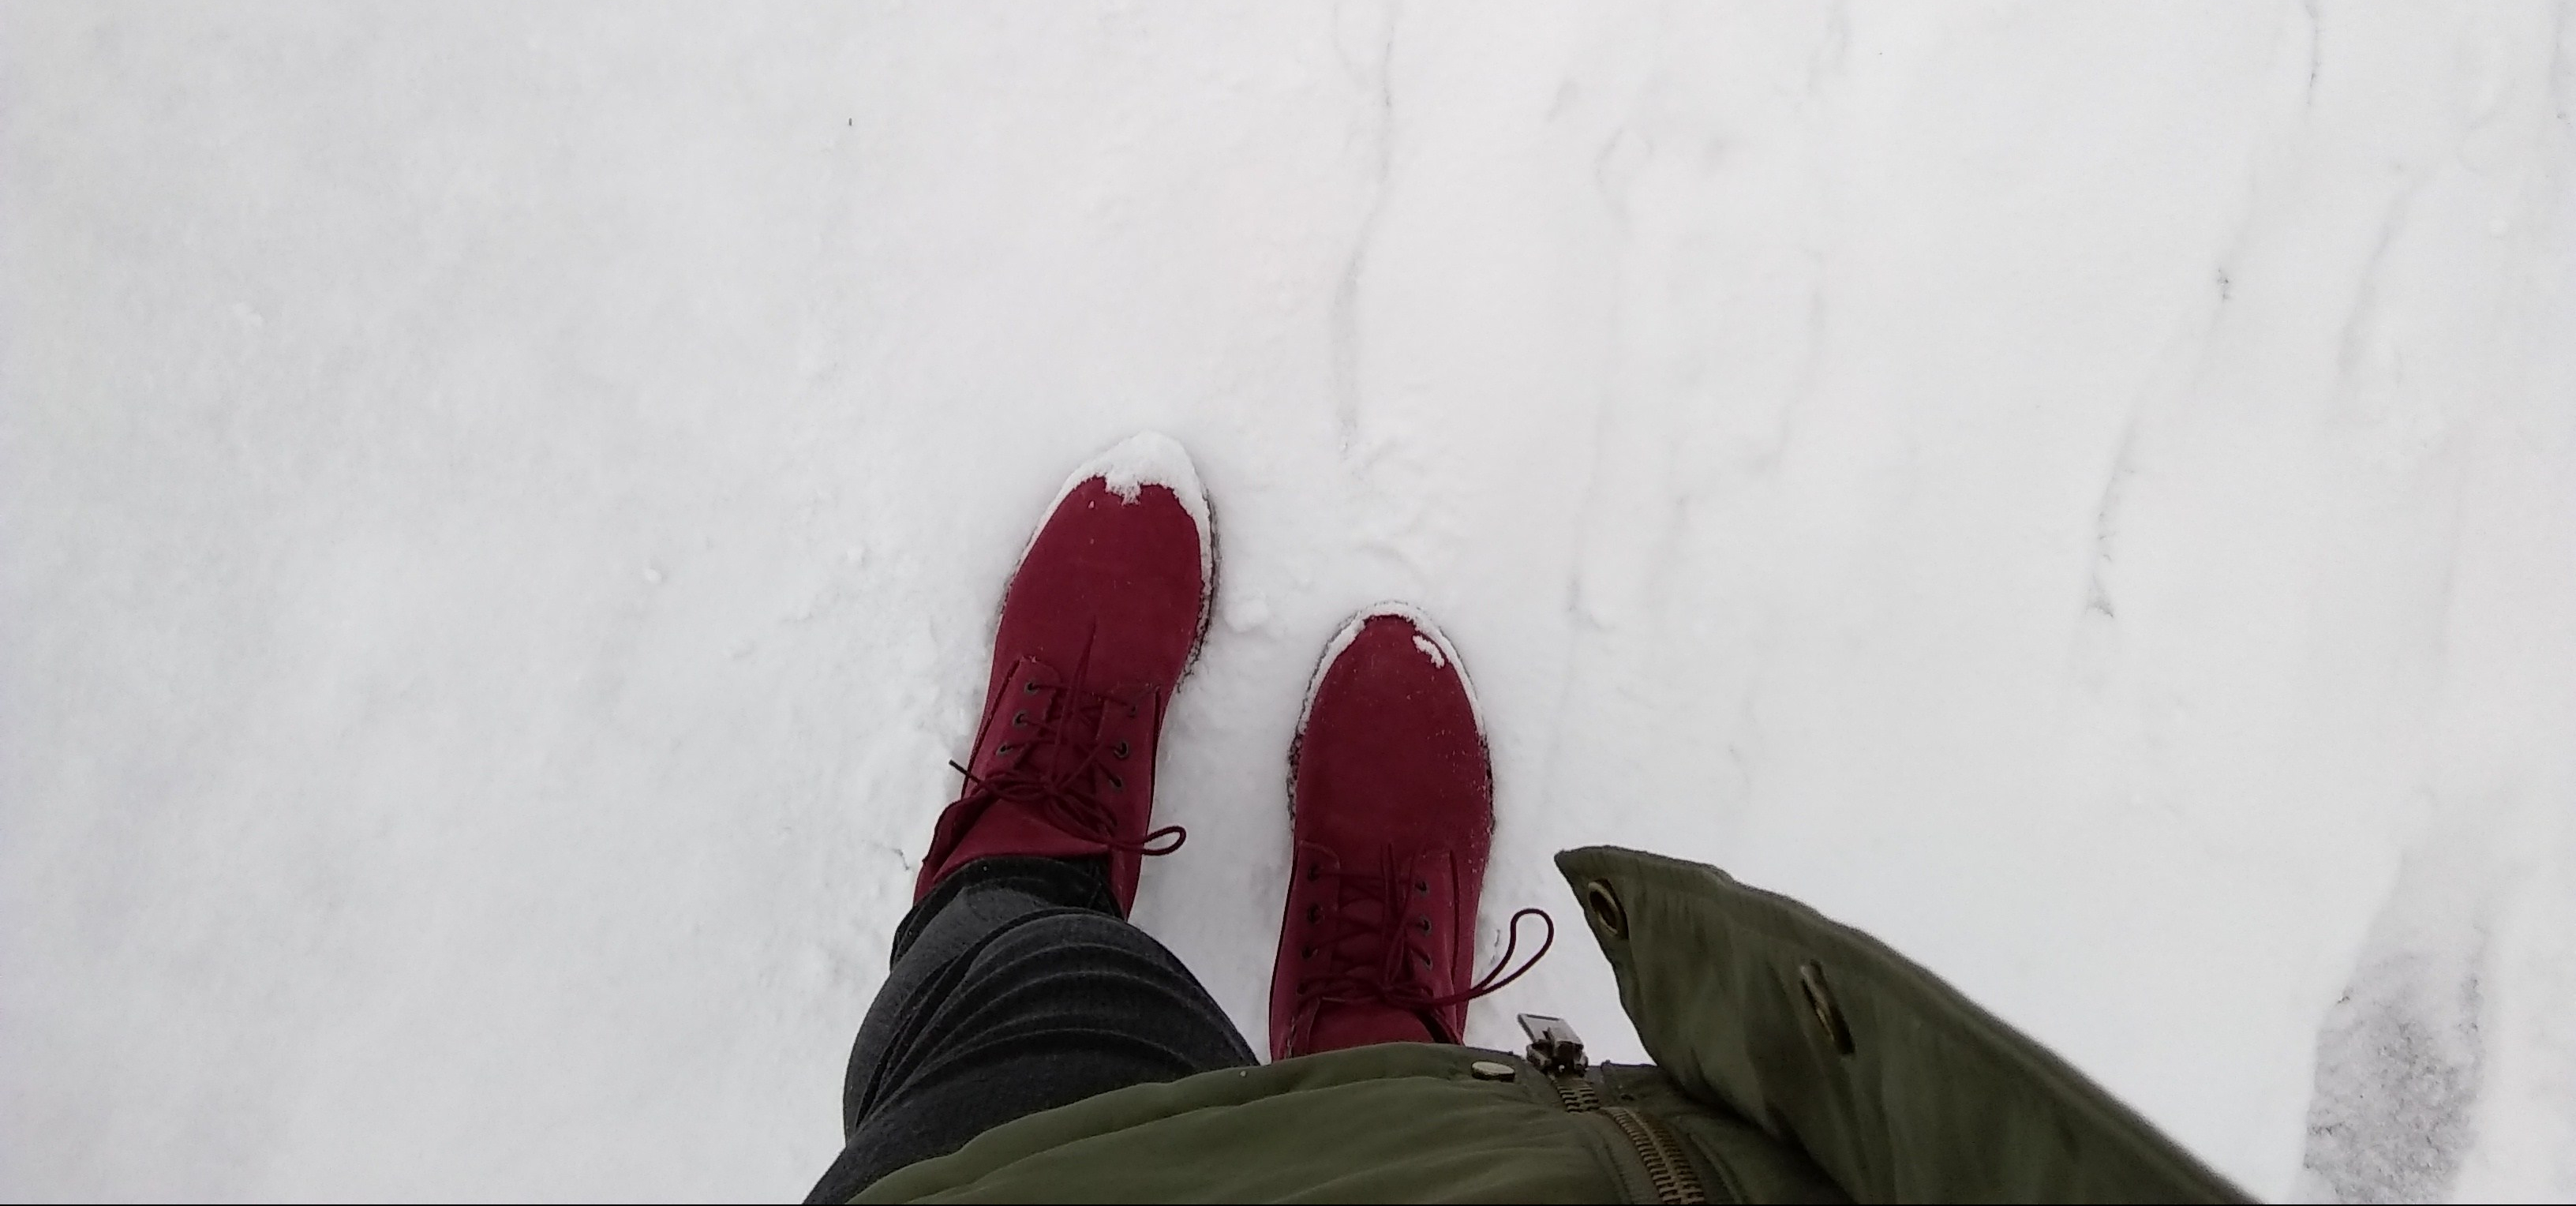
(501, 508)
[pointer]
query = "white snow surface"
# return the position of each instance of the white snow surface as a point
(501, 509)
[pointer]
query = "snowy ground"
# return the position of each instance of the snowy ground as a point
(501, 509)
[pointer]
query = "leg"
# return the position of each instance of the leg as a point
(1392, 817)
(1018, 985)
(1016, 988)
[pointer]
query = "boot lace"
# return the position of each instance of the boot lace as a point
(1065, 767)
(1374, 955)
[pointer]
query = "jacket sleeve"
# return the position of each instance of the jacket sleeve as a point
(1897, 1086)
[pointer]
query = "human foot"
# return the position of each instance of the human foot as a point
(1098, 625)
(1392, 802)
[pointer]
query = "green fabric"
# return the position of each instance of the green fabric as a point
(1935, 1100)
(1395, 1122)
(1737, 1160)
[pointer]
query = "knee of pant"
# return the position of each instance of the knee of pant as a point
(1078, 934)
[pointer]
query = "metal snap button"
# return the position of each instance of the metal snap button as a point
(1486, 1069)
(1602, 903)
(1821, 1006)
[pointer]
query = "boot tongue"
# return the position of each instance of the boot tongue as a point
(1075, 717)
(1019, 825)
(1374, 947)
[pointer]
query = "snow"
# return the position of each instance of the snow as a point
(501, 509)
(1430, 650)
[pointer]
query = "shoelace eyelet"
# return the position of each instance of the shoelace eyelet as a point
(1074, 793)
(1423, 924)
(1120, 751)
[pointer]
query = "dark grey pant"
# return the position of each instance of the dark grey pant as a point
(1017, 987)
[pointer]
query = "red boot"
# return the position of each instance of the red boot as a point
(1392, 797)
(1098, 625)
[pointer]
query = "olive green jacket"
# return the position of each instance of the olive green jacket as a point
(1796, 1060)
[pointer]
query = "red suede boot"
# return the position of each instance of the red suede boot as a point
(1393, 812)
(1098, 625)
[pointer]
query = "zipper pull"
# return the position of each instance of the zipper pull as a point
(1554, 1046)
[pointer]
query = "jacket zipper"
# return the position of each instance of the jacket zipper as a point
(1577, 1093)
(1556, 1051)
(1666, 1166)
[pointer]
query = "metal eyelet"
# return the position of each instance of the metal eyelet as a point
(1020, 719)
(1116, 782)
(1426, 959)
(1423, 924)
(1120, 750)
(1602, 902)
(1314, 913)
(1422, 887)
(1030, 687)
